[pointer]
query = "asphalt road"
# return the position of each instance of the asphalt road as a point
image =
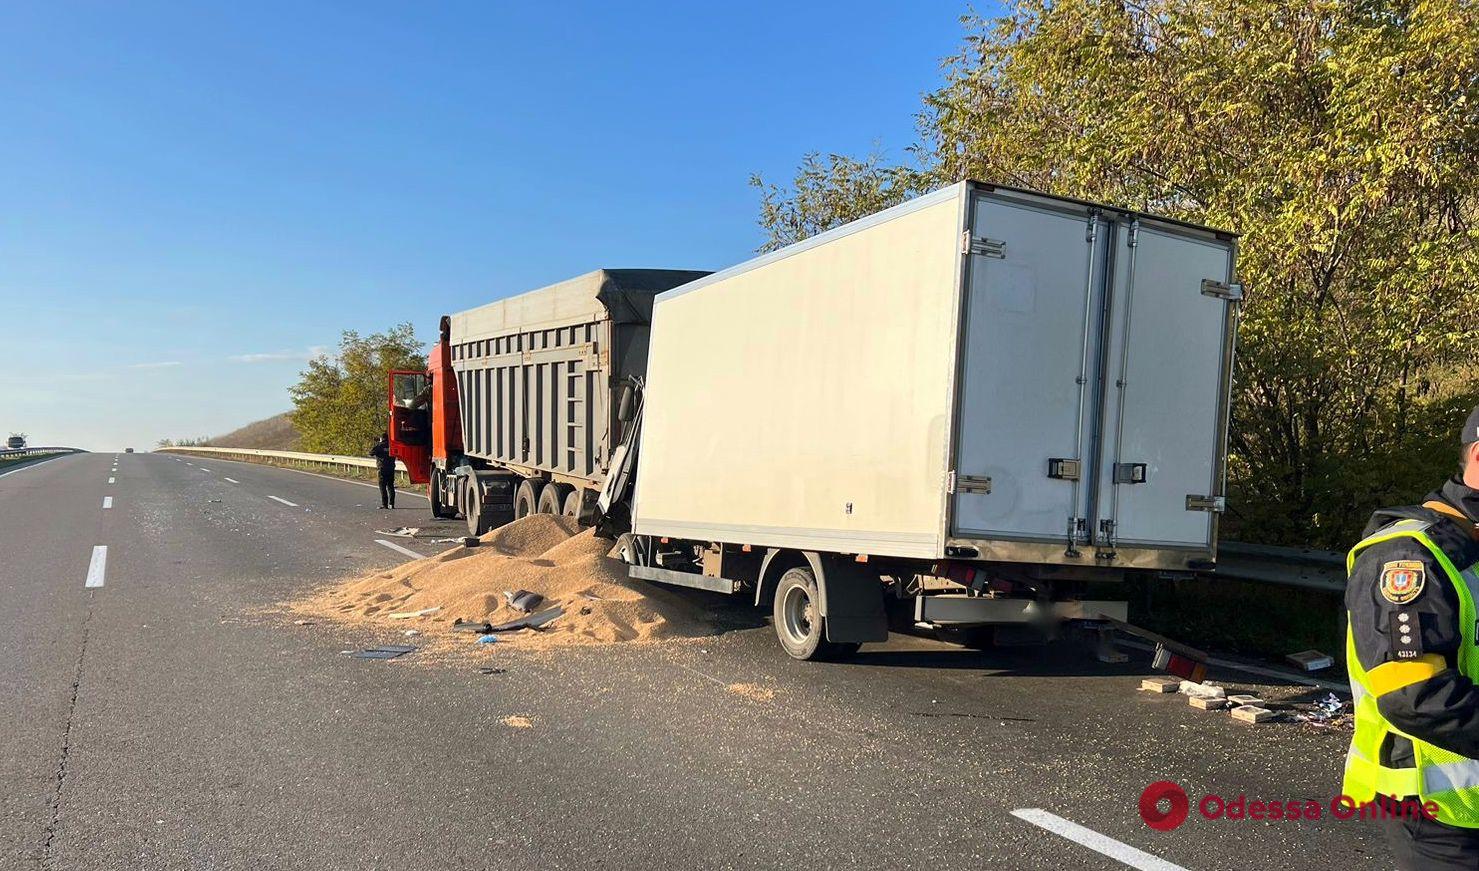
(173, 718)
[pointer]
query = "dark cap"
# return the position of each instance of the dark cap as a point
(1471, 428)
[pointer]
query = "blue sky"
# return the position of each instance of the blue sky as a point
(196, 196)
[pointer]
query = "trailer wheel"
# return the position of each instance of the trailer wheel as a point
(479, 514)
(526, 498)
(801, 630)
(571, 508)
(552, 498)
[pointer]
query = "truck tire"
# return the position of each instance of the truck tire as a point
(526, 498)
(552, 498)
(434, 491)
(571, 506)
(479, 515)
(801, 630)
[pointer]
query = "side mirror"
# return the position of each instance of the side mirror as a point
(626, 407)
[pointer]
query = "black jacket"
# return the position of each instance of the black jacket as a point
(383, 460)
(1443, 709)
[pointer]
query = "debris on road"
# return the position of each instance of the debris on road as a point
(402, 531)
(302, 622)
(407, 615)
(1201, 690)
(586, 596)
(1244, 700)
(1160, 685)
(490, 638)
(487, 669)
(1252, 714)
(522, 600)
(518, 722)
(752, 691)
(385, 651)
(1327, 714)
(1206, 703)
(1311, 660)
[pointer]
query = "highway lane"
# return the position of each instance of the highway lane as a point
(170, 719)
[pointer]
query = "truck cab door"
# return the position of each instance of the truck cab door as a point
(410, 423)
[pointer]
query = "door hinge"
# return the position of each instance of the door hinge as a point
(979, 484)
(988, 247)
(1063, 468)
(1222, 290)
(1214, 504)
(1133, 238)
(1091, 229)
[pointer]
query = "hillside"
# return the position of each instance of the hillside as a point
(276, 433)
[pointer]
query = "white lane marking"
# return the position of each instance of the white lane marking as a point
(398, 549)
(1102, 844)
(284, 501)
(232, 481)
(399, 490)
(111, 480)
(107, 501)
(189, 464)
(98, 567)
(204, 469)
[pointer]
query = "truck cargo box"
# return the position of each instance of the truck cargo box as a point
(535, 372)
(980, 373)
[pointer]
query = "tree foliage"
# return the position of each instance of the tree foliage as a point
(1340, 138)
(339, 402)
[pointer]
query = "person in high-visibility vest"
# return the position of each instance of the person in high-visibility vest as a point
(1413, 661)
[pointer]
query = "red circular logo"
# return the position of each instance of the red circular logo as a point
(1150, 806)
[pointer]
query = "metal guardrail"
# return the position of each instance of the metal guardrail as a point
(1288, 566)
(340, 460)
(37, 452)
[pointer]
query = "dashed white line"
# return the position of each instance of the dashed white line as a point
(398, 549)
(231, 481)
(283, 501)
(111, 480)
(204, 469)
(98, 567)
(1102, 844)
(107, 501)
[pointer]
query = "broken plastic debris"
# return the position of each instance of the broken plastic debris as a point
(402, 531)
(1202, 690)
(385, 651)
(482, 627)
(407, 615)
(533, 621)
(490, 638)
(522, 600)
(1311, 660)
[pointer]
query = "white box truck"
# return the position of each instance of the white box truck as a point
(957, 411)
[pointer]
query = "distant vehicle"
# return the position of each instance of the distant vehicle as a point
(15, 442)
(128, 450)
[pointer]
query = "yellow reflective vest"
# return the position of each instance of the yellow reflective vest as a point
(1448, 780)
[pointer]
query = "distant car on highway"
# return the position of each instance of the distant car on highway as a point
(128, 450)
(15, 442)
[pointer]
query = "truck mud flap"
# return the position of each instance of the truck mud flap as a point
(852, 602)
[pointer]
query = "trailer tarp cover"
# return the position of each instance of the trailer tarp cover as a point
(622, 295)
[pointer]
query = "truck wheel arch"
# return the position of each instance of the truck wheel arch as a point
(776, 562)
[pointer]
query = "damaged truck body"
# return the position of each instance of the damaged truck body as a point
(965, 412)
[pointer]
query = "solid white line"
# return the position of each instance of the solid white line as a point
(398, 549)
(284, 501)
(98, 567)
(232, 481)
(1102, 844)
(107, 501)
(111, 480)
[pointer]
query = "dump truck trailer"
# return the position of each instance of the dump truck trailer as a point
(515, 413)
(962, 412)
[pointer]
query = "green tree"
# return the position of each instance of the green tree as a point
(1340, 138)
(339, 402)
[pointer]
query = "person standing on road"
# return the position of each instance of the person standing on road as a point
(385, 465)
(1413, 661)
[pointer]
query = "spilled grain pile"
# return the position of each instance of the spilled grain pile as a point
(543, 554)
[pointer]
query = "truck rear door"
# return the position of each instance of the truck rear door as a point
(1167, 367)
(1025, 396)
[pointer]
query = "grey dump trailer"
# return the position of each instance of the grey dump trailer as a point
(516, 413)
(965, 412)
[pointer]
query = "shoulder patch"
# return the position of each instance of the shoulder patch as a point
(1402, 580)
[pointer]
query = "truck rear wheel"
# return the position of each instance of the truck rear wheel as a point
(799, 625)
(552, 498)
(571, 507)
(526, 498)
(479, 515)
